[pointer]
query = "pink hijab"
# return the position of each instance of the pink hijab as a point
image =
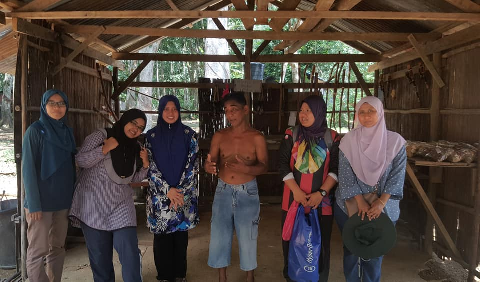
(371, 150)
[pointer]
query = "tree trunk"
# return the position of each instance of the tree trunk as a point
(144, 102)
(217, 46)
(7, 102)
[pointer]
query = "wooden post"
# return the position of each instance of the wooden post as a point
(435, 172)
(115, 86)
(375, 84)
(23, 97)
(476, 231)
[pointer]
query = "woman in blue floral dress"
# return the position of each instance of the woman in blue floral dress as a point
(172, 196)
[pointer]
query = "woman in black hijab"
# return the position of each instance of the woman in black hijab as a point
(103, 201)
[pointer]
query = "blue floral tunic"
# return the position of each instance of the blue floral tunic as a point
(160, 218)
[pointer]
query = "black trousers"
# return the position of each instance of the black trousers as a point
(170, 255)
(326, 222)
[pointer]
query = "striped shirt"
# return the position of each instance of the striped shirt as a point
(99, 202)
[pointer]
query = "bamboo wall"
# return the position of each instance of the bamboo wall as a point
(83, 90)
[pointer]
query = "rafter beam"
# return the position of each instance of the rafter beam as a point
(79, 49)
(360, 79)
(342, 5)
(240, 6)
(172, 5)
(301, 58)
(241, 34)
(447, 42)
(309, 23)
(229, 41)
(260, 49)
(262, 5)
(465, 5)
(184, 22)
(152, 14)
(421, 52)
(130, 79)
(278, 23)
(37, 31)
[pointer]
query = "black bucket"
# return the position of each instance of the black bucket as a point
(7, 234)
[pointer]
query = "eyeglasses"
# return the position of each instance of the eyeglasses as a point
(140, 127)
(60, 104)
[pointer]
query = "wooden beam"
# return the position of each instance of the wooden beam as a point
(172, 5)
(309, 23)
(426, 61)
(79, 49)
(244, 14)
(12, 4)
(87, 70)
(342, 5)
(459, 38)
(240, 6)
(465, 5)
(262, 5)
(222, 85)
(431, 210)
(130, 79)
(184, 22)
(300, 58)
(24, 27)
(278, 23)
(360, 79)
(242, 34)
(229, 41)
(260, 49)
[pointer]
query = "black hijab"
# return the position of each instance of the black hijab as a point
(124, 156)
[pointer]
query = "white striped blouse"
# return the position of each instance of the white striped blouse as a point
(99, 202)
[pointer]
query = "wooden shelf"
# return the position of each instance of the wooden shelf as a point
(422, 162)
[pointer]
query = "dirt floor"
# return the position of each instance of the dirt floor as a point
(400, 265)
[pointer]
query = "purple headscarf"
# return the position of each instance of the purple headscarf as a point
(370, 150)
(319, 110)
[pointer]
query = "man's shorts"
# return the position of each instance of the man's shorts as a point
(234, 207)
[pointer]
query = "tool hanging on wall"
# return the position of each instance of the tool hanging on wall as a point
(421, 72)
(411, 79)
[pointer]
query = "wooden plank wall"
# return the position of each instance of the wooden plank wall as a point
(83, 90)
(461, 75)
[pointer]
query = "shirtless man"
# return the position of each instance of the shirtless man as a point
(241, 154)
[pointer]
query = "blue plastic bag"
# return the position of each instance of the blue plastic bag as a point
(305, 247)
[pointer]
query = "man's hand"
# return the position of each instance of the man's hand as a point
(176, 197)
(109, 144)
(240, 166)
(35, 215)
(363, 206)
(210, 167)
(314, 200)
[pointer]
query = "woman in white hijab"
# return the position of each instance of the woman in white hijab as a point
(372, 159)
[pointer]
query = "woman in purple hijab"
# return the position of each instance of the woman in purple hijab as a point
(372, 160)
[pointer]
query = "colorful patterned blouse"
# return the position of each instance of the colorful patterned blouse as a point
(160, 218)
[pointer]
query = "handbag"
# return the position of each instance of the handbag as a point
(304, 247)
(289, 221)
(351, 204)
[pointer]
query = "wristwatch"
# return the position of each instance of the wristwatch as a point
(322, 192)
